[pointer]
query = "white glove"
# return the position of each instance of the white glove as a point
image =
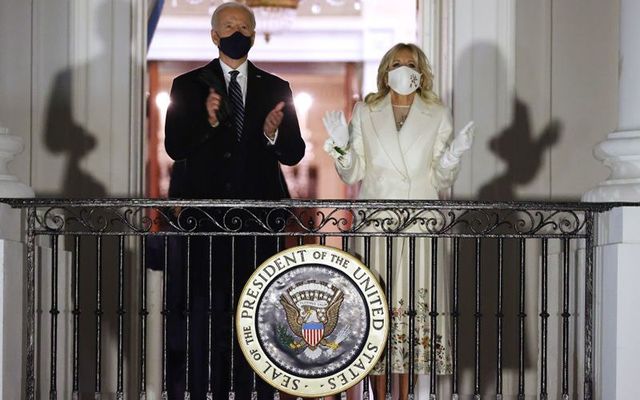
(336, 125)
(461, 143)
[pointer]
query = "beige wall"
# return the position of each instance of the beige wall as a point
(70, 86)
(576, 54)
(69, 89)
(15, 78)
(540, 80)
(69, 95)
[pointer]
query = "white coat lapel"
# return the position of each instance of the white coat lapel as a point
(385, 131)
(415, 124)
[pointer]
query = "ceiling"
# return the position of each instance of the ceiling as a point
(305, 8)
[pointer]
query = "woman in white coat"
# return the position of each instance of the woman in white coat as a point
(399, 144)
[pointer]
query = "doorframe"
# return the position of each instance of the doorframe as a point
(435, 30)
(138, 95)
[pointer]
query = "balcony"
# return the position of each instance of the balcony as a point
(514, 284)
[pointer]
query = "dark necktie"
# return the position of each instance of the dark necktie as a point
(235, 93)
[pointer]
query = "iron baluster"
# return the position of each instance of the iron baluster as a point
(478, 318)
(565, 318)
(433, 315)
(53, 312)
(455, 315)
(389, 293)
(144, 312)
(98, 314)
(75, 392)
(544, 317)
(521, 318)
(121, 313)
(499, 319)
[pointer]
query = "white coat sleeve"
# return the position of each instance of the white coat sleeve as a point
(443, 178)
(351, 165)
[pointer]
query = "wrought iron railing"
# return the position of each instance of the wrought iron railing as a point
(86, 230)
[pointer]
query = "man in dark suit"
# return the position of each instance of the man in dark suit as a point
(231, 125)
(201, 129)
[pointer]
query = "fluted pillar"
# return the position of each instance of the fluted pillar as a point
(621, 151)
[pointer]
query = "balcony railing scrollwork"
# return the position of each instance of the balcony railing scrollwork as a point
(484, 241)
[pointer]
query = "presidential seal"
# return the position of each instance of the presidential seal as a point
(312, 321)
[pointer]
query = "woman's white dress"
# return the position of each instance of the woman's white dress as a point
(403, 165)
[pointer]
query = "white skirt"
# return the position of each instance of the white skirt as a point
(399, 313)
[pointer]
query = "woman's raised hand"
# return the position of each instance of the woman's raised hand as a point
(461, 143)
(336, 126)
(463, 140)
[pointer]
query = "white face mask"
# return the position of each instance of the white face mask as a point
(404, 80)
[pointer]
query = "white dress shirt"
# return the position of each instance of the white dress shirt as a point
(241, 78)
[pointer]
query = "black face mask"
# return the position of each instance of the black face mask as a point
(235, 46)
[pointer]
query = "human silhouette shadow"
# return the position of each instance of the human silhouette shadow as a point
(522, 153)
(522, 150)
(67, 135)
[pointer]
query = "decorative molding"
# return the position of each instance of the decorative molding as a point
(362, 218)
(620, 153)
(10, 146)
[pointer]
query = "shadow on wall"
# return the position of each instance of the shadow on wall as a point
(522, 151)
(67, 134)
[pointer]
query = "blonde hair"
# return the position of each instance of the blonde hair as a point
(425, 91)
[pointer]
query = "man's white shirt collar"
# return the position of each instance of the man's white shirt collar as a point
(242, 76)
(242, 68)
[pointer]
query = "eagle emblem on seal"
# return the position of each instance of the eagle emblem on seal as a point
(312, 309)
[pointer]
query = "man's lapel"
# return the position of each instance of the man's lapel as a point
(252, 101)
(213, 77)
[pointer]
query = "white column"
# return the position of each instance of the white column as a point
(618, 249)
(621, 151)
(618, 297)
(11, 261)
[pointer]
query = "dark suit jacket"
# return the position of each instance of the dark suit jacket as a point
(214, 164)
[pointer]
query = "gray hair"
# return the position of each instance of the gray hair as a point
(233, 4)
